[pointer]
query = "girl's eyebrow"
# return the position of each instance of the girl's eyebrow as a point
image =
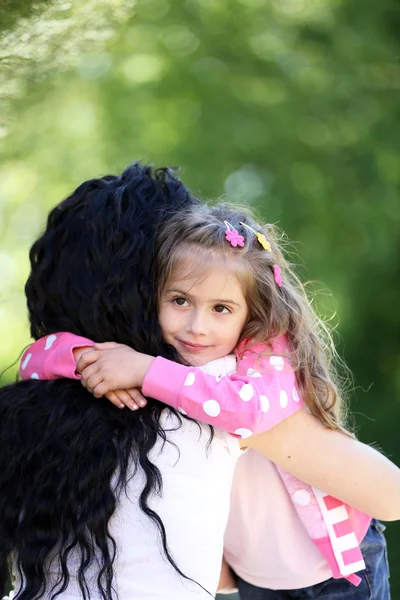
(218, 301)
(213, 300)
(175, 291)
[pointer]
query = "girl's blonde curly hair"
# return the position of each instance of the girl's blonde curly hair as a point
(195, 239)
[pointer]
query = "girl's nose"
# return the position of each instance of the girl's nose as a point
(197, 324)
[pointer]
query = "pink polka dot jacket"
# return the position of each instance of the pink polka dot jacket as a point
(258, 393)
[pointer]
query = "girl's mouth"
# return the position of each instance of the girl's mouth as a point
(188, 346)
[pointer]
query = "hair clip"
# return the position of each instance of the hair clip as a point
(260, 237)
(278, 276)
(232, 235)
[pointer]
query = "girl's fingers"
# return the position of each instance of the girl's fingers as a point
(121, 398)
(106, 345)
(132, 398)
(87, 358)
(137, 397)
(127, 399)
(88, 377)
(112, 396)
(96, 382)
(100, 389)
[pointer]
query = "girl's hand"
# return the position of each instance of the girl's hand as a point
(110, 366)
(132, 398)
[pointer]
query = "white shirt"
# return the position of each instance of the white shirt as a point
(194, 508)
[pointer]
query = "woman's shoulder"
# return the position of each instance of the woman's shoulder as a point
(197, 440)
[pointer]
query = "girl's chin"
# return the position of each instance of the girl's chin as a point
(191, 361)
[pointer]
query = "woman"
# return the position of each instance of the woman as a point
(95, 502)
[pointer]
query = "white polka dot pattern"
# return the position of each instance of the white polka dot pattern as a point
(243, 432)
(295, 395)
(277, 362)
(190, 379)
(35, 376)
(253, 373)
(211, 408)
(302, 498)
(264, 403)
(247, 392)
(283, 399)
(50, 341)
(26, 360)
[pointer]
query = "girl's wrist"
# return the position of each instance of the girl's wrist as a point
(143, 366)
(79, 350)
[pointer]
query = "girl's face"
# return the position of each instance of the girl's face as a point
(202, 315)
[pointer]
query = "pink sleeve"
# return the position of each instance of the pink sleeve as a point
(260, 394)
(51, 357)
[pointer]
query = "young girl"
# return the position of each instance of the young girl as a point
(224, 287)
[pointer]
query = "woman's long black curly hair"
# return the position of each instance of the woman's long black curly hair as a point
(91, 274)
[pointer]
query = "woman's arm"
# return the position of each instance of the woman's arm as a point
(333, 462)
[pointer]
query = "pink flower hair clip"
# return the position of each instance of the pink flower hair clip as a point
(278, 276)
(232, 235)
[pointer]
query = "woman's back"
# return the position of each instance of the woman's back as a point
(193, 506)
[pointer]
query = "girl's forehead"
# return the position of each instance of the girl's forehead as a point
(198, 261)
(199, 265)
(190, 264)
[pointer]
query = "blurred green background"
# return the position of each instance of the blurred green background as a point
(289, 105)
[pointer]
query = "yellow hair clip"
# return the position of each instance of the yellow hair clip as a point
(260, 237)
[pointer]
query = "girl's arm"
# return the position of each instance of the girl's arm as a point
(299, 444)
(54, 356)
(293, 439)
(334, 462)
(243, 403)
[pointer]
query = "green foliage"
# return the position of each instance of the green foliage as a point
(291, 106)
(11, 11)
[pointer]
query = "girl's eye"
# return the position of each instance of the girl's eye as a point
(221, 309)
(179, 301)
